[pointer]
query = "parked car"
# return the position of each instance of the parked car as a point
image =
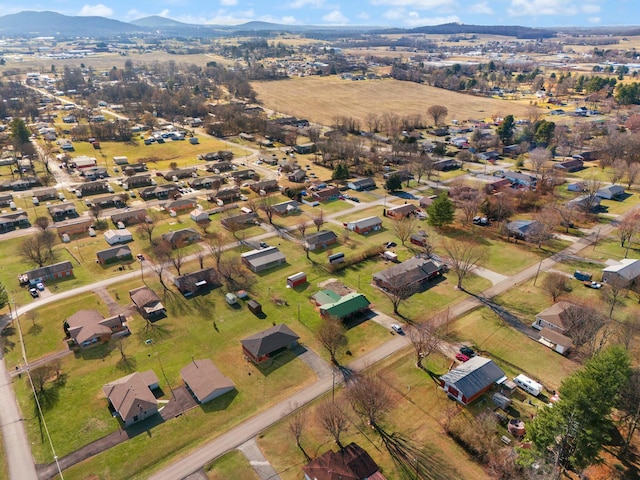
(40, 286)
(468, 351)
(263, 245)
(33, 292)
(595, 285)
(140, 257)
(391, 244)
(397, 328)
(462, 357)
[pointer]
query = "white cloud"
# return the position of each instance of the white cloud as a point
(335, 17)
(594, 19)
(226, 17)
(590, 8)
(134, 14)
(536, 8)
(364, 16)
(417, 4)
(414, 19)
(98, 10)
(228, 2)
(480, 8)
(306, 3)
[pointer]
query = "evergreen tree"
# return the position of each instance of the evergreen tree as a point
(578, 425)
(393, 183)
(506, 129)
(441, 211)
(341, 172)
(4, 296)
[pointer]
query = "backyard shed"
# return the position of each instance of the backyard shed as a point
(231, 299)
(296, 279)
(254, 307)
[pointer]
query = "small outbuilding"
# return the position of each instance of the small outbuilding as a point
(296, 279)
(254, 307)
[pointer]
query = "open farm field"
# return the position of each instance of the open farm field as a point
(333, 96)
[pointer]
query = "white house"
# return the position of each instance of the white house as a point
(121, 235)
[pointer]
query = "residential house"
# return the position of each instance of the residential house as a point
(44, 194)
(625, 272)
(5, 199)
(121, 235)
(362, 184)
(490, 156)
(227, 194)
(130, 217)
(182, 238)
(345, 306)
(350, 463)
(22, 183)
(267, 344)
(556, 317)
(584, 203)
(285, 208)
(497, 186)
(114, 254)
(62, 210)
(305, 148)
(11, 221)
(555, 340)
(147, 302)
(519, 179)
(297, 176)
(92, 188)
(239, 221)
(401, 211)
(263, 259)
(83, 162)
(213, 181)
(409, 276)
(426, 202)
(446, 164)
(321, 239)
(326, 194)
(205, 381)
(403, 175)
(365, 225)
(240, 175)
(419, 238)
(471, 379)
(120, 160)
(570, 165)
(74, 226)
(94, 173)
(136, 168)
(87, 328)
(161, 192)
(137, 181)
(48, 272)
(181, 204)
(131, 397)
(577, 187)
(190, 283)
(199, 215)
(264, 186)
(220, 167)
(175, 175)
(110, 201)
(523, 229)
(612, 192)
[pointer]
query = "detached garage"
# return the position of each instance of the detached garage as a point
(296, 279)
(205, 382)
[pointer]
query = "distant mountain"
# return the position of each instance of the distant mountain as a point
(157, 21)
(506, 30)
(55, 24)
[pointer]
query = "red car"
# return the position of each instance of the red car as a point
(461, 357)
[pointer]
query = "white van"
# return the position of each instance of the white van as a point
(528, 385)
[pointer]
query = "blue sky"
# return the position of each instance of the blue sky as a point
(399, 13)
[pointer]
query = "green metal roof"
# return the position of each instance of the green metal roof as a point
(324, 297)
(347, 305)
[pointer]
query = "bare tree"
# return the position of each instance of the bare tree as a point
(404, 227)
(38, 248)
(555, 284)
(538, 159)
(331, 418)
(541, 232)
(146, 228)
(629, 406)
(301, 226)
(633, 170)
(618, 170)
(266, 205)
(331, 335)
(425, 338)
(319, 220)
(583, 324)
(566, 214)
(592, 186)
(398, 289)
(200, 255)
(43, 223)
(463, 255)
(627, 228)
(369, 397)
(613, 293)
(438, 113)
(423, 165)
(215, 244)
(297, 423)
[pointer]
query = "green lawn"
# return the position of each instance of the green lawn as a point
(617, 208)
(232, 465)
(418, 406)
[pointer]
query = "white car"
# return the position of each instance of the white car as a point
(397, 328)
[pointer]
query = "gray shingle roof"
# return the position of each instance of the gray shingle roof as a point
(269, 340)
(473, 376)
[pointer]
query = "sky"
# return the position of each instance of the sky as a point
(393, 13)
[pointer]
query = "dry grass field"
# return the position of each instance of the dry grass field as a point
(321, 99)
